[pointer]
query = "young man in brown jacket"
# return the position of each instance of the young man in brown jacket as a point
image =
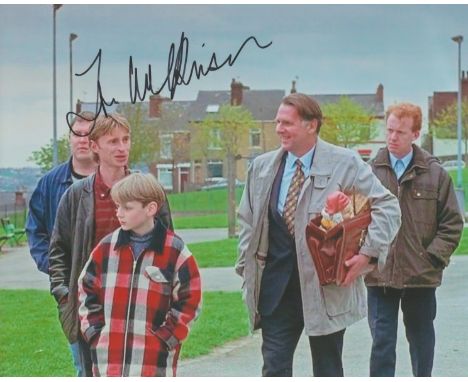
(431, 227)
(85, 215)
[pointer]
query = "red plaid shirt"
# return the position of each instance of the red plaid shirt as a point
(133, 313)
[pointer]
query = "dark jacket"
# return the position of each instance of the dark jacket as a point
(42, 210)
(431, 223)
(70, 246)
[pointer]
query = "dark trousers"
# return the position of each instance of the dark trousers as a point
(85, 358)
(419, 310)
(280, 333)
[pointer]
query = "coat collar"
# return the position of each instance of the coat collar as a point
(157, 240)
(419, 158)
(323, 163)
(66, 176)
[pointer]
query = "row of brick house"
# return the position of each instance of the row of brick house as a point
(437, 102)
(179, 171)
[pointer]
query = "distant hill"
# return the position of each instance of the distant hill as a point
(13, 179)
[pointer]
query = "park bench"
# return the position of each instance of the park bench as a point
(4, 239)
(11, 232)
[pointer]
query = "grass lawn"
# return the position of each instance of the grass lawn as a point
(463, 247)
(208, 200)
(219, 253)
(453, 175)
(201, 221)
(32, 343)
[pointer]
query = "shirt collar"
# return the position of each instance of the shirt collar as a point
(102, 188)
(406, 159)
(306, 159)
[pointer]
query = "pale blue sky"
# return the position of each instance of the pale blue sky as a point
(331, 48)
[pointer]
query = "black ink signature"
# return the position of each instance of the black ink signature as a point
(176, 75)
(101, 102)
(177, 68)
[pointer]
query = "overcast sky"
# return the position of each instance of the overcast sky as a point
(330, 48)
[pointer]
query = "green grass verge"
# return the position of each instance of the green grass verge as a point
(463, 246)
(219, 253)
(209, 200)
(223, 318)
(201, 221)
(453, 175)
(32, 343)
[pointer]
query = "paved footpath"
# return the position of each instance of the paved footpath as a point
(243, 357)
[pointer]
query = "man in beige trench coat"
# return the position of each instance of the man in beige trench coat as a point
(286, 188)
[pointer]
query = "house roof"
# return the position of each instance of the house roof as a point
(367, 101)
(179, 123)
(263, 104)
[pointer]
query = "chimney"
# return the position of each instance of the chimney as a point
(78, 106)
(379, 93)
(155, 102)
(293, 88)
(19, 198)
(464, 86)
(236, 93)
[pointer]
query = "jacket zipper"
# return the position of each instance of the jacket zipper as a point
(128, 318)
(403, 179)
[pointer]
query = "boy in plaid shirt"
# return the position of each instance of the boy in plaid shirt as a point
(140, 290)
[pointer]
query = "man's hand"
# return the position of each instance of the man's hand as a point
(358, 265)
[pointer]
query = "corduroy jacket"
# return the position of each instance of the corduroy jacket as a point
(431, 222)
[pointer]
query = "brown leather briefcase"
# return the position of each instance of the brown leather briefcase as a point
(330, 249)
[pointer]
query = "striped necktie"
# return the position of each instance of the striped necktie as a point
(292, 196)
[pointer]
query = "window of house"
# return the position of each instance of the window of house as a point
(165, 176)
(215, 169)
(255, 137)
(166, 147)
(215, 139)
(212, 108)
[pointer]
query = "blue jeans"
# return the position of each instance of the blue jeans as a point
(419, 310)
(81, 358)
(75, 350)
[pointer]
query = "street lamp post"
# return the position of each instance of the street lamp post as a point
(73, 36)
(56, 7)
(459, 189)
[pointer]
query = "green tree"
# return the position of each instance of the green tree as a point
(144, 134)
(44, 156)
(445, 124)
(221, 135)
(346, 123)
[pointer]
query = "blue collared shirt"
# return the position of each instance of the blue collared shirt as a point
(289, 170)
(406, 160)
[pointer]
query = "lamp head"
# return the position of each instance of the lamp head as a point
(458, 39)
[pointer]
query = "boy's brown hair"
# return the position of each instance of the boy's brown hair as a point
(143, 188)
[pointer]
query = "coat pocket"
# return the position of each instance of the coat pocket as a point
(337, 300)
(158, 281)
